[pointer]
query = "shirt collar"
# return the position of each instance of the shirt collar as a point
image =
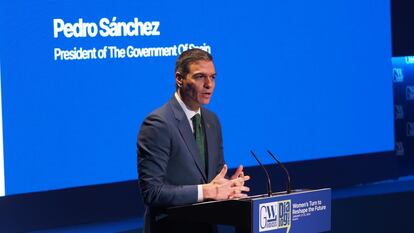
(188, 112)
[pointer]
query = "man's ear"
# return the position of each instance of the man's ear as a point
(178, 79)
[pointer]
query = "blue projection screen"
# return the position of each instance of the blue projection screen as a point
(306, 79)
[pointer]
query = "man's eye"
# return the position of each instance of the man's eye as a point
(200, 77)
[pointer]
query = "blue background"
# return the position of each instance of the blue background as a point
(306, 79)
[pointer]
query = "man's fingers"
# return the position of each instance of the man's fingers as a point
(238, 192)
(238, 196)
(245, 178)
(239, 189)
(238, 172)
(240, 181)
(244, 189)
(239, 169)
(222, 172)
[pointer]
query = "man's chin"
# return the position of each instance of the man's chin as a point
(205, 101)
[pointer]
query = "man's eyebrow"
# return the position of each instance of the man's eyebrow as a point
(202, 73)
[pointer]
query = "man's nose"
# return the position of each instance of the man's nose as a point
(208, 82)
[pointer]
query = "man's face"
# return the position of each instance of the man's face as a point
(198, 86)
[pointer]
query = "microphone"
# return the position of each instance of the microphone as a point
(288, 185)
(269, 185)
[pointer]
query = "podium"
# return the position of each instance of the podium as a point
(300, 211)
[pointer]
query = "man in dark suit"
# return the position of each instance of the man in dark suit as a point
(180, 149)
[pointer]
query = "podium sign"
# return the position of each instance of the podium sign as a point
(307, 211)
(300, 211)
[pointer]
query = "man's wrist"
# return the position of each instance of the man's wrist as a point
(209, 191)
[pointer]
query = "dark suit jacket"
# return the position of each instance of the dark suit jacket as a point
(169, 164)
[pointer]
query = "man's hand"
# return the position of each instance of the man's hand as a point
(221, 188)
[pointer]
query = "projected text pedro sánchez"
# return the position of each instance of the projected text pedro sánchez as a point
(106, 28)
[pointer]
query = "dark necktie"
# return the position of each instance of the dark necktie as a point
(199, 136)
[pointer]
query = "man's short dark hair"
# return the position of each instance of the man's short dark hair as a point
(188, 57)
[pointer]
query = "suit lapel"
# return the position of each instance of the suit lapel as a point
(210, 137)
(187, 135)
